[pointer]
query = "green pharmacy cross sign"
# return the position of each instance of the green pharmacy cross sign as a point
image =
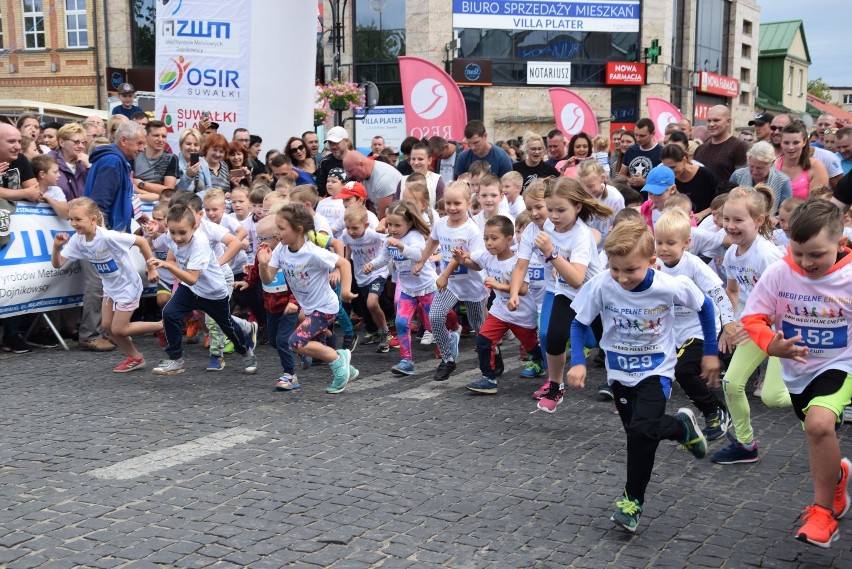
(653, 53)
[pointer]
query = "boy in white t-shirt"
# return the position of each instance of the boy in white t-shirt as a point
(46, 171)
(801, 311)
(330, 208)
(637, 307)
(510, 185)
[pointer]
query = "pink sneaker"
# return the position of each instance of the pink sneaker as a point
(129, 364)
(542, 391)
(551, 399)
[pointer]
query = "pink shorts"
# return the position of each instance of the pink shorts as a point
(122, 306)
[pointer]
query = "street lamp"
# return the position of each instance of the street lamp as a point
(337, 10)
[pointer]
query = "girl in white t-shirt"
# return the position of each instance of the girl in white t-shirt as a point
(456, 283)
(571, 257)
(747, 222)
(307, 269)
(109, 253)
(404, 247)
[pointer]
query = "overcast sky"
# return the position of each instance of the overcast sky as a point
(824, 31)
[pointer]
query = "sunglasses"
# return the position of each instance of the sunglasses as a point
(830, 131)
(297, 148)
(775, 127)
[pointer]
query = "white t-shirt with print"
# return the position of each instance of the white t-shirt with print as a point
(109, 253)
(339, 226)
(240, 259)
(464, 283)
(160, 249)
(331, 209)
(527, 313)
(197, 255)
(638, 327)
(401, 262)
(321, 225)
(746, 269)
(363, 250)
(307, 271)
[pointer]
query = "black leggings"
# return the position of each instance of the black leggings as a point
(559, 327)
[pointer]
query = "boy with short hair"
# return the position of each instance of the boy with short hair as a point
(637, 307)
(307, 196)
(801, 311)
(498, 261)
(328, 207)
(511, 184)
(46, 171)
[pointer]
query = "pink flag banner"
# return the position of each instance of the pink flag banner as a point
(662, 113)
(434, 106)
(572, 113)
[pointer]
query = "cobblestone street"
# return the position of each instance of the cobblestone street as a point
(211, 469)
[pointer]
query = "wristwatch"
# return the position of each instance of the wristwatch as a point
(140, 184)
(553, 255)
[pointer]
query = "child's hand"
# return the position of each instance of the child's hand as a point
(334, 278)
(246, 245)
(382, 227)
(153, 275)
(459, 255)
(392, 242)
(347, 296)
(492, 283)
(264, 254)
(368, 268)
(543, 242)
(576, 376)
(442, 281)
(156, 263)
(710, 370)
(782, 348)
(240, 285)
(513, 303)
(291, 308)
(415, 270)
(59, 240)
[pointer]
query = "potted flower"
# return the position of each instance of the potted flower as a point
(341, 96)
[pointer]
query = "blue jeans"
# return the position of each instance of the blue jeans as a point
(183, 302)
(280, 326)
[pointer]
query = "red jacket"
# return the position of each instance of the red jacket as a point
(273, 302)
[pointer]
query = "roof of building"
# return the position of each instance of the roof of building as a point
(777, 37)
(843, 117)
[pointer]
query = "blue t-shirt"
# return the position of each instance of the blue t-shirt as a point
(497, 157)
(119, 110)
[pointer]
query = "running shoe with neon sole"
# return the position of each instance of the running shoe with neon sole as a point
(694, 440)
(532, 370)
(820, 527)
(129, 364)
(716, 424)
(841, 493)
(627, 513)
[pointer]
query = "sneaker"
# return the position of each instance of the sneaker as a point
(735, 453)
(404, 367)
(370, 338)
(161, 338)
(263, 336)
(820, 527)
(349, 343)
(42, 339)
(499, 368)
(605, 391)
(229, 348)
(250, 363)
(551, 399)
(427, 338)
(16, 344)
(627, 513)
(716, 424)
(483, 385)
(353, 373)
(206, 341)
(170, 367)
(841, 493)
(306, 362)
(216, 363)
(94, 345)
(251, 338)
(455, 338)
(129, 364)
(340, 372)
(383, 346)
(694, 440)
(758, 388)
(444, 370)
(393, 341)
(191, 330)
(532, 370)
(287, 382)
(542, 391)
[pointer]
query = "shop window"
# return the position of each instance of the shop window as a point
(76, 28)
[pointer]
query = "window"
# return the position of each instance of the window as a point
(746, 51)
(790, 81)
(847, 99)
(34, 24)
(1, 31)
(801, 82)
(711, 37)
(379, 38)
(142, 16)
(746, 27)
(745, 75)
(75, 23)
(744, 98)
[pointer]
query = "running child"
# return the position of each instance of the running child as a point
(491, 199)
(404, 247)
(282, 309)
(330, 208)
(510, 185)
(816, 360)
(456, 283)
(307, 269)
(109, 253)
(672, 238)
(593, 177)
(498, 261)
(637, 305)
(570, 249)
(158, 237)
(747, 222)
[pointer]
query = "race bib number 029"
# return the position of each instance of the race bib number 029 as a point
(634, 363)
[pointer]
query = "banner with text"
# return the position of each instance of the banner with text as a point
(553, 15)
(662, 113)
(387, 122)
(572, 113)
(434, 106)
(202, 64)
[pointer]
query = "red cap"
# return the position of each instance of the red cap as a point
(352, 189)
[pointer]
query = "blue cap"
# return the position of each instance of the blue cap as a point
(659, 179)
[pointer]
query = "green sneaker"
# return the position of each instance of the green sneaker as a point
(694, 440)
(229, 348)
(627, 513)
(533, 369)
(340, 372)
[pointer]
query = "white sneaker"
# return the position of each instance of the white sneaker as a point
(427, 338)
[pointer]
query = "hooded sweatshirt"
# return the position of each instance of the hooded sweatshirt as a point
(110, 185)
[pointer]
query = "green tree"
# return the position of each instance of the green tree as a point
(819, 88)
